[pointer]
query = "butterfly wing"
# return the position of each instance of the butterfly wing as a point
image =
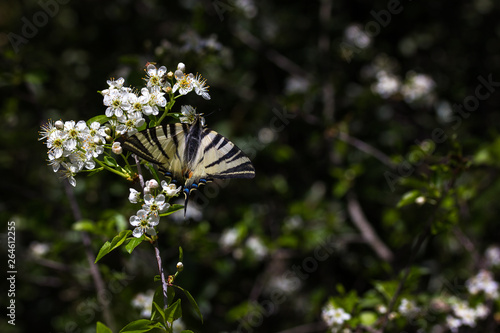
(162, 145)
(218, 158)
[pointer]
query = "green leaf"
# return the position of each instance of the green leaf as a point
(173, 312)
(158, 299)
(115, 242)
(192, 301)
(187, 331)
(408, 198)
(101, 119)
(133, 243)
(101, 328)
(172, 209)
(141, 325)
(158, 311)
(170, 295)
(110, 161)
(84, 225)
(181, 255)
(368, 318)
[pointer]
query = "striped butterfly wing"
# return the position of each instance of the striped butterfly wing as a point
(162, 145)
(221, 159)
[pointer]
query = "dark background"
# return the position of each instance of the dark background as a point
(249, 51)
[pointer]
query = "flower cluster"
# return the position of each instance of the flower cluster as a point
(483, 282)
(73, 145)
(334, 317)
(154, 203)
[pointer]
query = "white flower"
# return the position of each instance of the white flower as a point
(482, 311)
(114, 84)
(128, 123)
(155, 205)
(466, 314)
(355, 35)
(117, 102)
(96, 131)
(483, 281)
(69, 172)
(334, 316)
(117, 148)
(228, 238)
(493, 255)
(170, 190)
(134, 196)
(200, 87)
(184, 82)
(56, 143)
(47, 130)
(408, 308)
(144, 223)
(144, 302)
(181, 67)
(189, 114)
(386, 85)
(453, 323)
(155, 76)
(417, 86)
(150, 184)
(257, 247)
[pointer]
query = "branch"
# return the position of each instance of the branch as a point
(369, 235)
(365, 147)
(89, 253)
(164, 284)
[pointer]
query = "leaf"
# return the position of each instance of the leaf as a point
(172, 209)
(368, 318)
(170, 295)
(192, 301)
(133, 243)
(181, 255)
(101, 119)
(173, 312)
(141, 325)
(158, 311)
(115, 242)
(101, 328)
(84, 225)
(408, 198)
(110, 161)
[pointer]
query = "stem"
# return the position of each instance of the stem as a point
(89, 253)
(164, 284)
(121, 174)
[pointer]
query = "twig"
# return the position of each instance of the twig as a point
(369, 235)
(164, 284)
(89, 253)
(274, 56)
(365, 147)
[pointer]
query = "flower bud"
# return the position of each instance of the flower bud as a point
(116, 148)
(170, 75)
(152, 183)
(109, 138)
(107, 130)
(59, 125)
(181, 67)
(180, 266)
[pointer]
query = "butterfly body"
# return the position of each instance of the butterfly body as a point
(191, 155)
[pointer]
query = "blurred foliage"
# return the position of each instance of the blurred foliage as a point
(298, 95)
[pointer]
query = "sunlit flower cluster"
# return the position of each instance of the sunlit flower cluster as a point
(334, 317)
(416, 87)
(73, 145)
(154, 202)
(408, 308)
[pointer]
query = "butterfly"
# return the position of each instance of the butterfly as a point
(191, 155)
